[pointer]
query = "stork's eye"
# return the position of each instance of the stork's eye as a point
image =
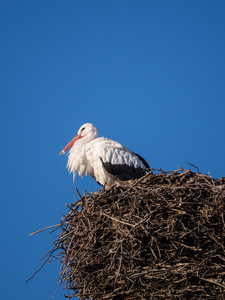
(82, 129)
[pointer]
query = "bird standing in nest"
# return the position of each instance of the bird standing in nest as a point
(107, 161)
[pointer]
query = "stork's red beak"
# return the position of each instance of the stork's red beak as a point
(77, 137)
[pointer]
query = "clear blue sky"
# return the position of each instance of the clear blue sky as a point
(149, 74)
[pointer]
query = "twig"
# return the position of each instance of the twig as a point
(194, 167)
(41, 265)
(211, 281)
(119, 221)
(57, 225)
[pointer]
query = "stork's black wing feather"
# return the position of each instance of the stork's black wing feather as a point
(124, 172)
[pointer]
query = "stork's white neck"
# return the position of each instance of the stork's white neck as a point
(89, 137)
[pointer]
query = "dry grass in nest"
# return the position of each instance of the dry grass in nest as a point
(160, 237)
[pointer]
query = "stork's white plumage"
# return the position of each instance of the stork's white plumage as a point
(105, 160)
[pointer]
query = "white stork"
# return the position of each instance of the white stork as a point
(107, 161)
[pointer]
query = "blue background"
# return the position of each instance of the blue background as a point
(148, 74)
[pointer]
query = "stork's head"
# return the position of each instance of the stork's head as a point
(87, 133)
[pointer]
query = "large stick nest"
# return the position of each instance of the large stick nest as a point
(160, 237)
